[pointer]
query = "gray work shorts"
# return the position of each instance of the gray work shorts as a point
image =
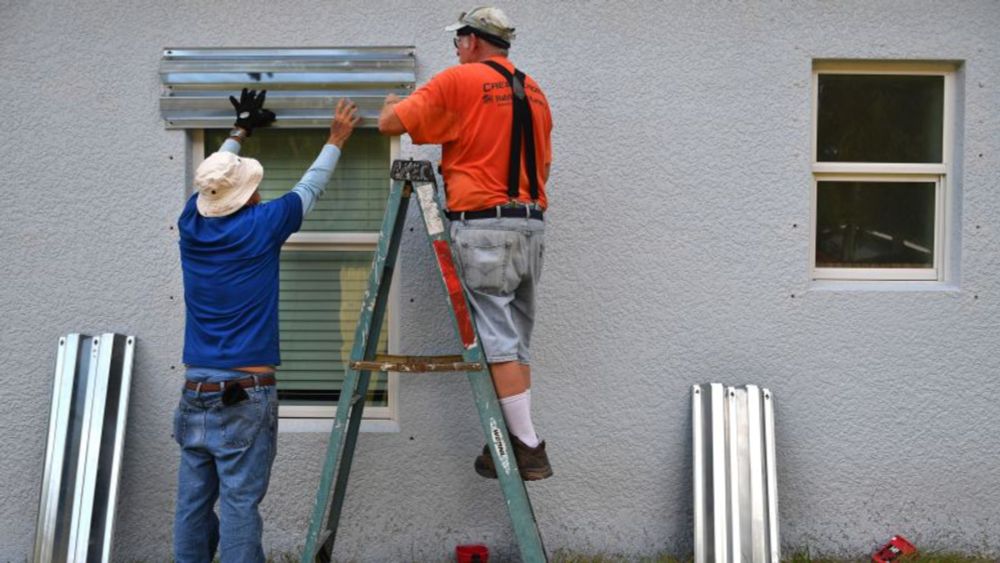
(501, 261)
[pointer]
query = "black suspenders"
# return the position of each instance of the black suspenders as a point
(522, 126)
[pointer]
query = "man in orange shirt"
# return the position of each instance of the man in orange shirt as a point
(494, 127)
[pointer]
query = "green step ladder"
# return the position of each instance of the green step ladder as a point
(409, 177)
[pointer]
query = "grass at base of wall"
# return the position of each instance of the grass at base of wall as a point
(565, 556)
(569, 556)
(928, 557)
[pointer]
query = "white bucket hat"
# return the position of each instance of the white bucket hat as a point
(225, 182)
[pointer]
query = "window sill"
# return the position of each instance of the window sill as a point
(325, 426)
(883, 286)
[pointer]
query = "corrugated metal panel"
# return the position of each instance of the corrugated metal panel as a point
(735, 478)
(55, 514)
(85, 447)
(303, 84)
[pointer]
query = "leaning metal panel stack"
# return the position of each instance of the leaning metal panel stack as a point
(735, 480)
(83, 458)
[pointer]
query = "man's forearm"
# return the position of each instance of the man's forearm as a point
(234, 141)
(388, 122)
(314, 181)
(230, 145)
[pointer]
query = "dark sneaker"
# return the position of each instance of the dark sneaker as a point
(532, 463)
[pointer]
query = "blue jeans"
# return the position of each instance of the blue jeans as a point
(226, 455)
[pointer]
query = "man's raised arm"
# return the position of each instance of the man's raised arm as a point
(388, 122)
(314, 181)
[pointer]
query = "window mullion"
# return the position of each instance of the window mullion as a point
(332, 242)
(877, 168)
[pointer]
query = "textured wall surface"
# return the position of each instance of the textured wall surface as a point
(678, 253)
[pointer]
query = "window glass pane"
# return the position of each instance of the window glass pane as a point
(355, 197)
(321, 295)
(880, 118)
(875, 224)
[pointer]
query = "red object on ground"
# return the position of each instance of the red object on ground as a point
(474, 553)
(896, 548)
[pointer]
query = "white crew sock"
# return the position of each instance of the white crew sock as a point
(517, 412)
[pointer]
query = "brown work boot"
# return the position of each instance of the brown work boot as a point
(532, 463)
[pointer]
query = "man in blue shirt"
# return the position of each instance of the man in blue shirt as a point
(226, 421)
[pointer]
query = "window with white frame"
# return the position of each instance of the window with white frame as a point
(325, 266)
(882, 150)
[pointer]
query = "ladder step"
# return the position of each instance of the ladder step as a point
(416, 364)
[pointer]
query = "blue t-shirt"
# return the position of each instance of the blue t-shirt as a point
(230, 269)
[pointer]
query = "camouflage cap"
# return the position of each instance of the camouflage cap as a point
(486, 19)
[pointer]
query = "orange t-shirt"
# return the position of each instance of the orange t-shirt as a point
(467, 109)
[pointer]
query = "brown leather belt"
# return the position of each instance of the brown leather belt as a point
(246, 383)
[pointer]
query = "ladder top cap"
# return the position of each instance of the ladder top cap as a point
(412, 170)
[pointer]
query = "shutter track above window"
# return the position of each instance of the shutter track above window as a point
(303, 84)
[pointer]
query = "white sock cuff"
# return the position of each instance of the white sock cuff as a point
(517, 412)
(515, 398)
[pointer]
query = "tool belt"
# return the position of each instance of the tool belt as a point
(245, 382)
(522, 211)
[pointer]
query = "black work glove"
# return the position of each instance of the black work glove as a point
(250, 112)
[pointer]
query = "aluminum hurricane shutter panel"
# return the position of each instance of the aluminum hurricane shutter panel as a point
(735, 480)
(303, 84)
(85, 448)
(58, 484)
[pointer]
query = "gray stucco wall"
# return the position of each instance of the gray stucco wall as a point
(678, 253)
